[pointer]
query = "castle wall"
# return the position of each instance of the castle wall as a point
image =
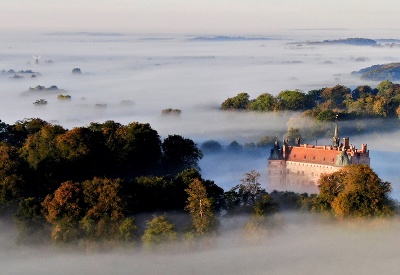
(304, 176)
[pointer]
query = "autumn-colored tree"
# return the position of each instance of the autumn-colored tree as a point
(105, 208)
(336, 94)
(64, 209)
(160, 230)
(354, 191)
(200, 208)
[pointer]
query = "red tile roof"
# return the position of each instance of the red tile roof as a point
(312, 154)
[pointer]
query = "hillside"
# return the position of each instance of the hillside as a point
(390, 71)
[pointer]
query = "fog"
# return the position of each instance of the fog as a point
(304, 245)
(154, 72)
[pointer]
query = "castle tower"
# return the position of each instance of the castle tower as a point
(276, 166)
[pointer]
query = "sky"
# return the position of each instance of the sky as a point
(192, 16)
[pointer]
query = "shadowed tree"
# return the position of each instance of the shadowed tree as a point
(30, 222)
(139, 149)
(250, 188)
(19, 132)
(180, 153)
(13, 175)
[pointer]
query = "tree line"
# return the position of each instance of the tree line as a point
(325, 103)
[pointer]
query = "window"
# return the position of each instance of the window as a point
(302, 173)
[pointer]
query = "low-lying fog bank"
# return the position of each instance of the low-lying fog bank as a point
(306, 244)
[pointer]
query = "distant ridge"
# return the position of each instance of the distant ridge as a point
(228, 38)
(348, 41)
(380, 72)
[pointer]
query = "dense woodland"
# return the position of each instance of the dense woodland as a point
(87, 185)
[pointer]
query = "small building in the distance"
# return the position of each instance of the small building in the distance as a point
(298, 167)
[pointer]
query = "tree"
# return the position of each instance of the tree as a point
(239, 102)
(127, 230)
(64, 209)
(354, 191)
(211, 146)
(336, 94)
(259, 221)
(292, 134)
(293, 100)
(363, 91)
(180, 153)
(138, 147)
(160, 230)
(13, 175)
(384, 86)
(234, 146)
(81, 150)
(250, 187)
(326, 115)
(30, 221)
(199, 207)
(19, 132)
(264, 102)
(40, 148)
(105, 207)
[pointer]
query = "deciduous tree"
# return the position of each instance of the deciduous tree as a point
(200, 208)
(160, 230)
(354, 191)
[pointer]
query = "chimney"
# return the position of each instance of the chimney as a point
(346, 143)
(364, 148)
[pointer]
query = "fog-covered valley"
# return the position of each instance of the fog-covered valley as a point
(131, 77)
(128, 77)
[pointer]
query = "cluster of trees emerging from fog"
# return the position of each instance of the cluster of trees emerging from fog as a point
(88, 185)
(324, 104)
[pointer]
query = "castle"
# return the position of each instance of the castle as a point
(298, 168)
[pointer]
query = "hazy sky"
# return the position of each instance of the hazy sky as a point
(205, 16)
